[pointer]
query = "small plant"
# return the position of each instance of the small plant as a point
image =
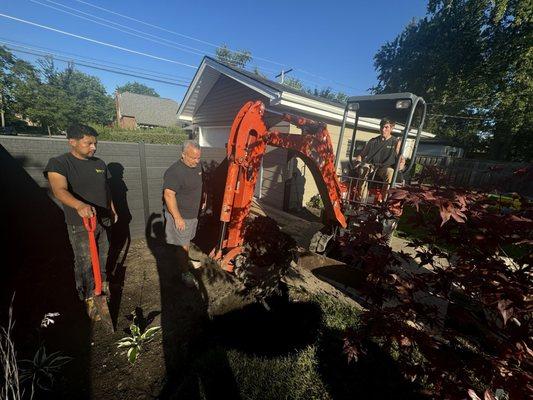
(139, 337)
(8, 358)
(41, 371)
(315, 202)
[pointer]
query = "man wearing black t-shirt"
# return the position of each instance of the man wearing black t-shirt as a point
(79, 181)
(182, 195)
(382, 152)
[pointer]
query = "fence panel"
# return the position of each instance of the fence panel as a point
(482, 174)
(136, 171)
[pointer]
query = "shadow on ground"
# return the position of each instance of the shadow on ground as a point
(38, 268)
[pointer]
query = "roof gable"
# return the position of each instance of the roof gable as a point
(282, 98)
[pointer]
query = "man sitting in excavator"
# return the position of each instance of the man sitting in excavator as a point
(377, 160)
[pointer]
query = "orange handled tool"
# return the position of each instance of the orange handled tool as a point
(90, 225)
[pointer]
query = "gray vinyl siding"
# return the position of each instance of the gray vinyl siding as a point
(275, 172)
(224, 102)
(220, 109)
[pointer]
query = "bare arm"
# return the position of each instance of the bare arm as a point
(172, 206)
(114, 212)
(402, 158)
(59, 186)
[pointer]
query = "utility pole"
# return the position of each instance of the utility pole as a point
(2, 109)
(282, 75)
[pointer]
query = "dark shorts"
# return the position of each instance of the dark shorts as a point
(176, 237)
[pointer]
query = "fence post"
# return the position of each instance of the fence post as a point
(144, 181)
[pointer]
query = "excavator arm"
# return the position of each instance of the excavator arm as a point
(247, 144)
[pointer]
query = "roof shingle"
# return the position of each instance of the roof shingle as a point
(148, 110)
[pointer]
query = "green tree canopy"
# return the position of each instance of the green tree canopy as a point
(237, 58)
(50, 97)
(326, 93)
(472, 60)
(14, 73)
(136, 87)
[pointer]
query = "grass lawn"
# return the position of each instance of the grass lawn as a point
(297, 354)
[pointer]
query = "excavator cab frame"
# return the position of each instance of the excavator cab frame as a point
(400, 107)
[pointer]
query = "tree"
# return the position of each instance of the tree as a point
(326, 93)
(88, 97)
(294, 83)
(14, 73)
(61, 98)
(234, 58)
(329, 94)
(136, 87)
(469, 59)
(456, 315)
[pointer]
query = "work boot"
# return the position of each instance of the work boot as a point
(189, 280)
(92, 311)
(105, 288)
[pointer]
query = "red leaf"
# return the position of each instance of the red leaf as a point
(398, 194)
(473, 395)
(488, 395)
(505, 310)
(445, 212)
(405, 341)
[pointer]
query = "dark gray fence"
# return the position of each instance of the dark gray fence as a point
(482, 174)
(136, 171)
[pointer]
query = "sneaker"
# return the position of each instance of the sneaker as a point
(92, 311)
(189, 280)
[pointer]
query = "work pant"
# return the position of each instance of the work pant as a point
(383, 174)
(83, 270)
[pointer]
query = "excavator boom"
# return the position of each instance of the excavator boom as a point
(247, 144)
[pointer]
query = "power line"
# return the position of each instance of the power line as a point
(169, 43)
(144, 71)
(100, 68)
(216, 46)
(96, 41)
(456, 116)
(196, 51)
(173, 32)
(159, 40)
(457, 101)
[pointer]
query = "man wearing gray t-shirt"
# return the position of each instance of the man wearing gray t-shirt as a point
(182, 196)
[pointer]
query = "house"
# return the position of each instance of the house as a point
(139, 110)
(218, 91)
(439, 147)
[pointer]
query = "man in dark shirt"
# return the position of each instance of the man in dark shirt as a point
(382, 153)
(79, 181)
(182, 195)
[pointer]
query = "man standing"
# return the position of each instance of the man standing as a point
(182, 195)
(79, 181)
(382, 152)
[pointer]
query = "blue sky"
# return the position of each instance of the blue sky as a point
(328, 43)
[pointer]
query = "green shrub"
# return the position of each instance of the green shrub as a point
(315, 202)
(172, 135)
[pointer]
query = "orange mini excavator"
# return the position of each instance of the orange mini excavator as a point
(246, 147)
(342, 196)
